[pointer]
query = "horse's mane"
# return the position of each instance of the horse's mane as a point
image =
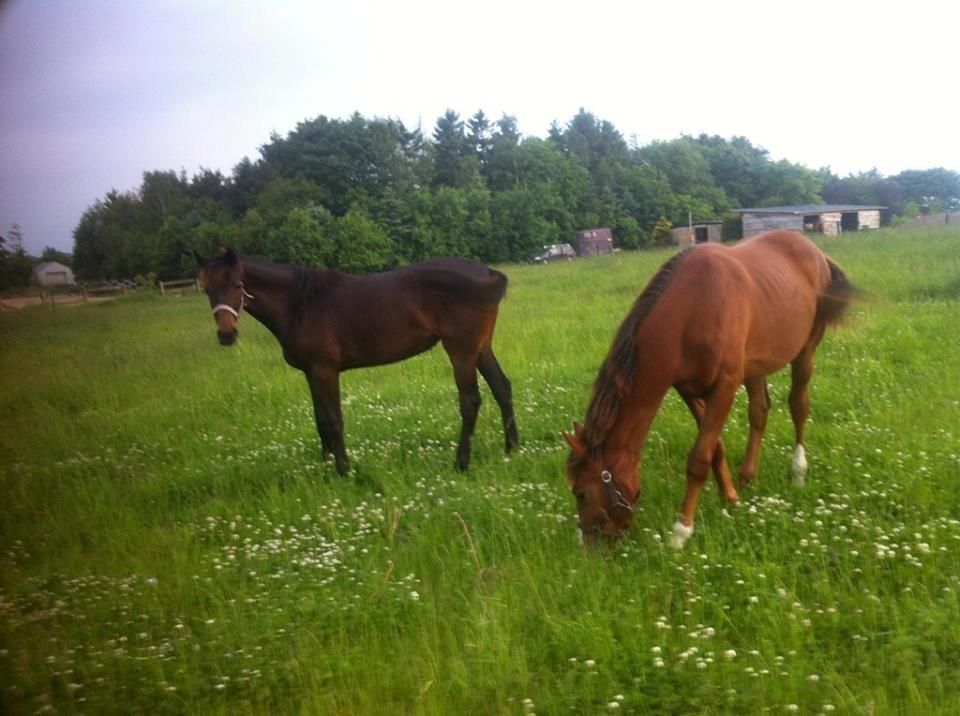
(309, 286)
(617, 371)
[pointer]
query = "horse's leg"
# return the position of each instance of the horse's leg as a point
(719, 461)
(325, 389)
(502, 392)
(465, 374)
(699, 461)
(801, 372)
(759, 401)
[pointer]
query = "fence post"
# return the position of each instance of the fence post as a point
(162, 290)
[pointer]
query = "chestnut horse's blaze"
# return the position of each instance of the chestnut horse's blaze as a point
(712, 318)
(328, 322)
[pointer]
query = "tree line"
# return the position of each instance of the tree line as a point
(363, 194)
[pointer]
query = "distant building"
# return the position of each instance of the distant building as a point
(702, 232)
(53, 273)
(828, 219)
(594, 241)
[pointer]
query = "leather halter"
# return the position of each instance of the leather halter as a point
(616, 497)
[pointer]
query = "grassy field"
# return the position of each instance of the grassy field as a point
(171, 541)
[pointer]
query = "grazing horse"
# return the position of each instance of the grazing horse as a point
(328, 322)
(712, 318)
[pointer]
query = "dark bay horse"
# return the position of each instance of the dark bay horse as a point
(328, 322)
(713, 318)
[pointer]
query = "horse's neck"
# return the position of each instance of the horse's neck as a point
(268, 287)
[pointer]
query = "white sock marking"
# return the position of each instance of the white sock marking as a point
(799, 466)
(681, 533)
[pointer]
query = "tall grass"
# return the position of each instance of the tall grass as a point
(171, 540)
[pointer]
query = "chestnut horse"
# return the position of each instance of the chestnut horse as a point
(327, 322)
(713, 318)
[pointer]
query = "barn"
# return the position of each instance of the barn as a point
(53, 273)
(700, 232)
(828, 219)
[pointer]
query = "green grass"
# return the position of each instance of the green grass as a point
(171, 541)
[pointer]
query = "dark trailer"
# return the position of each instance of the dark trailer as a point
(593, 242)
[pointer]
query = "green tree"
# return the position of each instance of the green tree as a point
(455, 161)
(281, 196)
(480, 135)
(350, 161)
(362, 246)
(933, 189)
(661, 236)
(305, 238)
(52, 254)
(17, 266)
(253, 235)
(687, 172)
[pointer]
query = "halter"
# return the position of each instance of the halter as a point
(616, 497)
(231, 309)
(616, 500)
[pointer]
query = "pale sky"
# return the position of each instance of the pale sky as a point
(95, 92)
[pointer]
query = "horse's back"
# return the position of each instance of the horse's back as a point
(457, 279)
(390, 316)
(783, 252)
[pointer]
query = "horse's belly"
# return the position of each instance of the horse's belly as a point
(769, 356)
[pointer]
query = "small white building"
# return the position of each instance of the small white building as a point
(829, 219)
(53, 273)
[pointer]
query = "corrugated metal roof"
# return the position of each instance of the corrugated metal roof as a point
(808, 209)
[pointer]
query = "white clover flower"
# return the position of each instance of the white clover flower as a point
(730, 654)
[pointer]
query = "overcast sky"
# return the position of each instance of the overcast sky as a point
(95, 92)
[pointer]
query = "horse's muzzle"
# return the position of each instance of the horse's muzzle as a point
(227, 338)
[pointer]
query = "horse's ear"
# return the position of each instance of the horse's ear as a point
(200, 260)
(577, 429)
(576, 444)
(229, 255)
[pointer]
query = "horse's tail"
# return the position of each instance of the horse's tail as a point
(836, 297)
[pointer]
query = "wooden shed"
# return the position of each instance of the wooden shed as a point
(53, 273)
(828, 219)
(700, 232)
(592, 242)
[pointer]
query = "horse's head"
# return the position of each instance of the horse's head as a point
(604, 510)
(222, 278)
